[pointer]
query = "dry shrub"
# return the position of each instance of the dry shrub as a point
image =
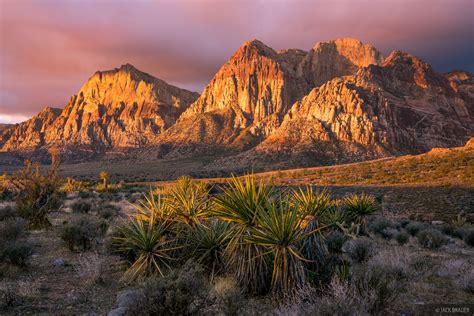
(89, 268)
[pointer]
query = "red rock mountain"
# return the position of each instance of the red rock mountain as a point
(119, 108)
(339, 101)
(402, 106)
(249, 96)
(29, 135)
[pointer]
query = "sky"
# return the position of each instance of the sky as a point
(49, 48)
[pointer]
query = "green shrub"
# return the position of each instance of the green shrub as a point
(402, 238)
(81, 207)
(12, 229)
(85, 194)
(359, 250)
(16, 252)
(469, 237)
(334, 241)
(182, 292)
(431, 238)
(379, 224)
(414, 227)
(38, 194)
(7, 212)
(80, 234)
(240, 204)
(388, 233)
(359, 207)
(188, 200)
(148, 239)
(208, 242)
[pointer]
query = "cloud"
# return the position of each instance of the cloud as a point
(49, 48)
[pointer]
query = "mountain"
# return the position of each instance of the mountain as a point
(341, 101)
(249, 96)
(118, 108)
(4, 127)
(29, 135)
(402, 106)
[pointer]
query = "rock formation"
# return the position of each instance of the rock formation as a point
(399, 107)
(340, 101)
(29, 135)
(249, 96)
(119, 108)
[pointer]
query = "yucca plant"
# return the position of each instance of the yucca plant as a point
(314, 205)
(151, 209)
(311, 202)
(280, 231)
(207, 242)
(188, 200)
(150, 242)
(334, 217)
(239, 205)
(359, 207)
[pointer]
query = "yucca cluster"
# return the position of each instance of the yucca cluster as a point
(270, 239)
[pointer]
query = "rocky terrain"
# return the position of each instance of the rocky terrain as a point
(340, 101)
(120, 108)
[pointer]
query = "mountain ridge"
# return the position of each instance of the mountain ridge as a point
(339, 101)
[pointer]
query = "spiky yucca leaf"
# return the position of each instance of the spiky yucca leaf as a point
(239, 205)
(311, 202)
(188, 200)
(150, 242)
(208, 243)
(280, 231)
(151, 209)
(335, 216)
(241, 200)
(358, 207)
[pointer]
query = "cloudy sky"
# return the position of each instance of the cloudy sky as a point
(49, 48)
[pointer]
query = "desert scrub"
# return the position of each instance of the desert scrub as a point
(431, 238)
(334, 241)
(207, 244)
(414, 227)
(379, 224)
(359, 207)
(38, 194)
(402, 238)
(469, 237)
(80, 234)
(7, 211)
(81, 207)
(183, 291)
(16, 252)
(359, 250)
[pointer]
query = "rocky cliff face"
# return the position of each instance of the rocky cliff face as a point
(401, 106)
(249, 96)
(119, 108)
(29, 135)
(340, 101)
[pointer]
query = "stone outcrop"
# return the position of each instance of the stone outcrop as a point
(249, 96)
(29, 135)
(399, 107)
(119, 108)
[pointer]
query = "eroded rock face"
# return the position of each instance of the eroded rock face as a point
(119, 108)
(29, 135)
(249, 96)
(402, 106)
